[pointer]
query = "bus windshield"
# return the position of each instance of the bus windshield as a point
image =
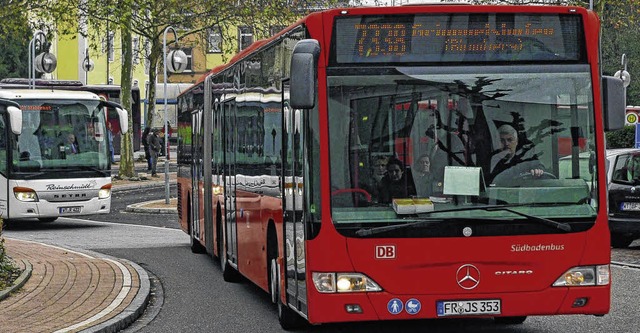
(454, 143)
(63, 137)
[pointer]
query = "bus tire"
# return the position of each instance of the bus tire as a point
(509, 320)
(47, 219)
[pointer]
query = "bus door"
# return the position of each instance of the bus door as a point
(230, 148)
(293, 205)
(207, 161)
(196, 173)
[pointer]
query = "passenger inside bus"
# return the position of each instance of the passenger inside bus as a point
(513, 160)
(426, 179)
(398, 183)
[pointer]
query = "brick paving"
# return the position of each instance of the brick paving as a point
(68, 291)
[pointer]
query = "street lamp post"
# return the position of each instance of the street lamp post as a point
(87, 65)
(176, 64)
(45, 62)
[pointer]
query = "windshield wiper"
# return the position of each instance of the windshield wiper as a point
(554, 224)
(507, 207)
(377, 230)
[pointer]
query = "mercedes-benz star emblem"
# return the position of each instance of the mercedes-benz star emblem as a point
(468, 276)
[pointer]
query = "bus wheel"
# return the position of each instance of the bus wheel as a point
(274, 281)
(47, 219)
(509, 320)
(620, 241)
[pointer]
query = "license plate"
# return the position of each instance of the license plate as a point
(468, 308)
(70, 210)
(630, 206)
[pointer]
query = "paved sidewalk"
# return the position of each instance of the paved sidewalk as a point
(64, 290)
(70, 291)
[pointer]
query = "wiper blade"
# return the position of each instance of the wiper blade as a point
(506, 207)
(554, 224)
(378, 230)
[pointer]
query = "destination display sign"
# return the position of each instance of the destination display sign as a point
(438, 38)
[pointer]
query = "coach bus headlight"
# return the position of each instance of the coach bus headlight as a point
(343, 282)
(105, 191)
(584, 276)
(25, 194)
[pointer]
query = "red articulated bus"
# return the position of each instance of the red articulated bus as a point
(404, 162)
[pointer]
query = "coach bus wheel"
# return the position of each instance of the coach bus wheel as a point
(510, 320)
(47, 219)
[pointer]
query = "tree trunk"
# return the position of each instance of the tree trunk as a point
(154, 58)
(126, 151)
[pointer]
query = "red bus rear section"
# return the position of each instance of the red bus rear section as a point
(397, 163)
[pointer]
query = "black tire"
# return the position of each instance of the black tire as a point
(47, 219)
(619, 241)
(509, 320)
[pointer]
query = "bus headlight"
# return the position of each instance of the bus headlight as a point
(105, 192)
(25, 194)
(343, 282)
(585, 276)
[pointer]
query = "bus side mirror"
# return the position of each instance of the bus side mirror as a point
(15, 119)
(124, 120)
(123, 115)
(613, 103)
(303, 74)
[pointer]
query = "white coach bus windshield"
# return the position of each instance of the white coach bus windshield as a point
(60, 139)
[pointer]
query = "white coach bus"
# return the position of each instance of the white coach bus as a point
(54, 154)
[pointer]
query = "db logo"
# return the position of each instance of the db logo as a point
(385, 252)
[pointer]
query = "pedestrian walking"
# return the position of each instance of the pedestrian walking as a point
(110, 141)
(154, 150)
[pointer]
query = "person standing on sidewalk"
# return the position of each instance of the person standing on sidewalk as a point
(110, 141)
(154, 150)
(145, 143)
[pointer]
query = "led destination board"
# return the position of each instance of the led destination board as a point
(458, 38)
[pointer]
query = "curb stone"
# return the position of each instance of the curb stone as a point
(19, 282)
(133, 311)
(139, 208)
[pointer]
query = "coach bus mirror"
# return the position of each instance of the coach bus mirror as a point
(124, 120)
(15, 119)
(123, 115)
(614, 103)
(304, 64)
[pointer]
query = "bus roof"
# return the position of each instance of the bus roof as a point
(17, 94)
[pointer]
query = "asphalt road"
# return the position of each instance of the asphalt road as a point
(196, 299)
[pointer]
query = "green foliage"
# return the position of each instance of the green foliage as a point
(8, 272)
(622, 138)
(14, 53)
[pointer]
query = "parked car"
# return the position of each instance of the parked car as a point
(623, 174)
